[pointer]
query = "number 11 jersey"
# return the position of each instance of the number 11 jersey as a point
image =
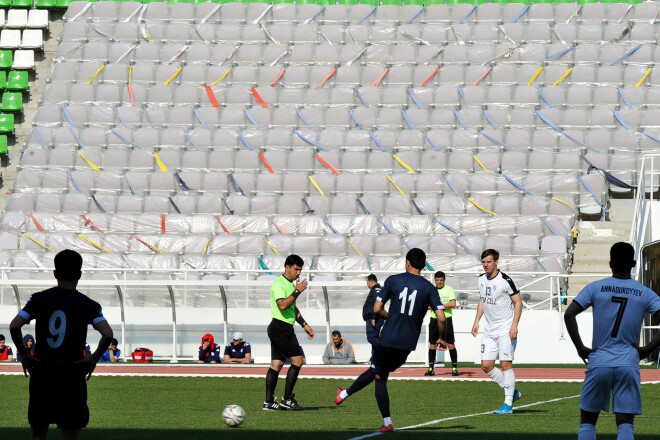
(410, 296)
(619, 308)
(62, 317)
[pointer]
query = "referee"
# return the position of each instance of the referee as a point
(283, 341)
(448, 299)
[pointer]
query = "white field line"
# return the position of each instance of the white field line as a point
(433, 422)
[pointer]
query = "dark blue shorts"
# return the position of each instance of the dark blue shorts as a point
(387, 359)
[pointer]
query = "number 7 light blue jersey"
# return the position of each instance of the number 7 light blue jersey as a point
(410, 296)
(619, 308)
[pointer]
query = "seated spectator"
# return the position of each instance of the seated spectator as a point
(88, 351)
(28, 342)
(209, 351)
(238, 351)
(112, 354)
(339, 351)
(5, 350)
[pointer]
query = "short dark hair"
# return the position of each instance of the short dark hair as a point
(622, 256)
(293, 260)
(440, 274)
(417, 258)
(114, 342)
(2, 337)
(336, 333)
(68, 264)
(372, 277)
(492, 252)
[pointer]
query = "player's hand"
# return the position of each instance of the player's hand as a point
(301, 285)
(373, 322)
(513, 333)
(309, 331)
(584, 353)
(28, 361)
(441, 344)
(643, 352)
(87, 366)
(475, 329)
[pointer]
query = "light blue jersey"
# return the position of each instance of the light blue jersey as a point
(619, 309)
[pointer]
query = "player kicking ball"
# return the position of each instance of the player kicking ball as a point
(411, 295)
(501, 304)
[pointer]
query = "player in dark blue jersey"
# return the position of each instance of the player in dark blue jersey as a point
(410, 295)
(620, 303)
(58, 391)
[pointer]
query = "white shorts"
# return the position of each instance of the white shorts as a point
(495, 347)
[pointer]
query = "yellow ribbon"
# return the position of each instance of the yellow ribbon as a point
(403, 164)
(648, 72)
(396, 186)
(222, 77)
(271, 246)
(356, 249)
(480, 207)
(207, 246)
(89, 162)
(160, 163)
(94, 243)
(538, 72)
(568, 72)
(316, 185)
(130, 73)
(479, 162)
(38, 242)
(89, 81)
(173, 76)
(561, 201)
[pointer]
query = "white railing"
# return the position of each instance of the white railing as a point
(640, 213)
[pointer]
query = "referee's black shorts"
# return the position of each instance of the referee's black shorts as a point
(283, 341)
(387, 359)
(58, 395)
(434, 334)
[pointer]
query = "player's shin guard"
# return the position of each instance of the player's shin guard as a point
(271, 383)
(454, 357)
(625, 432)
(431, 358)
(291, 378)
(587, 432)
(497, 376)
(362, 381)
(509, 386)
(382, 397)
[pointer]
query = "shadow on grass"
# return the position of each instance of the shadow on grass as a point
(243, 433)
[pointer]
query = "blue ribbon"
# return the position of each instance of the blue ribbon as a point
(449, 228)
(331, 227)
(412, 94)
(76, 136)
(234, 184)
(199, 117)
(593, 194)
(460, 121)
(468, 14)
(405, 117)
(365, 17)
(118, 117)
(624, 97)
(560, 53)
(452, 187)
(309, 141)
(520, 14)
(41, 142)
(549, 227)
(357, 93)
(68, 116)
(319, 12)
(229, 210)
(128, 183)
(430, 141)
(249, 116)
(559, 130)
(178, 211)
(627, 54)
(490, 120)
(98, 205)
(516, 184)
(489, 137)
(543, 96)
(245, 142)
(467, 249)
(620, 119)
(190, 139)
(300, 115)
(124, 139)
(373, 136)
(182, 184)
(146, 113)
(357, 123)
(410, 20)
(73, 181)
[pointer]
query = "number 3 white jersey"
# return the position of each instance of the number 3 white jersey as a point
(496, 300)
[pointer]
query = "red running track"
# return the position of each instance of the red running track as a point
(321, 371)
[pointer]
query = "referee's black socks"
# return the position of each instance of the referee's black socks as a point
(271, 383)
(291, 378)
(453, 354)
(431, 358)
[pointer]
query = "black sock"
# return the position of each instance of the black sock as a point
(382, 398)
(291, 378)
(431, 358)
(362, 381)
(271, 383)
(454, 357)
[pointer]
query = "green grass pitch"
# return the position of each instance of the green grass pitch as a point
(161, 408)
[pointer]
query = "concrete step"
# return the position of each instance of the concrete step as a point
(592, 250)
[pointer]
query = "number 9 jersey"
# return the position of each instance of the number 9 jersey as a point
(62, 317)
(619, 309)
(410, 296)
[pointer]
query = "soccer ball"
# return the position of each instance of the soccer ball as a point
(233, 416)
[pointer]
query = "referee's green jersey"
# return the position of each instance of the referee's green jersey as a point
(282, 288)
(446, 294)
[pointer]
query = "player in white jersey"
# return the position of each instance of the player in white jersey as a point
(500, 302)
(613, 363)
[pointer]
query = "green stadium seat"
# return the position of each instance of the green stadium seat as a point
(348, 2)
(6, 123)
(22, 3)
(435, 2)
(609, 1)
(3, 79)
(177, 1)
(582, 2)
(17, 80)
(6, 59)
(261, 1)
(392, 2)
(11, 102)
(63, 4)
(276, 2)
(454, 2)
(152, 1)
(325, 2)
(413, 2)
(5, 3)
(305, 2)
(373, 2)
(3, 144)
(44, 4)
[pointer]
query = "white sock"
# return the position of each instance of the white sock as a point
(343, 394)
(497, 376)
(387, 421)
(509, 386)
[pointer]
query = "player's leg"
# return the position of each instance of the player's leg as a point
(433, 337)
(506, 350)
(276, 363)
(290, 347)
(626, 400)
(364, 379)
(588, 421)
(70, 434)
(450, 339)
(489, 354)
(39, 432)
(594, 398)
(625, 423)
(383, 401)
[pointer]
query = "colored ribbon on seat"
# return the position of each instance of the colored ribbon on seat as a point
(93, 243)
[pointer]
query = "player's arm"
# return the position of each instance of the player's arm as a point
(300, 320)
(379, 309)
(651, 346)
(27, 360)
(451, 304)
(480, 313)
(517, 311)
(285, 303)
(572, 327)
(105, 330)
